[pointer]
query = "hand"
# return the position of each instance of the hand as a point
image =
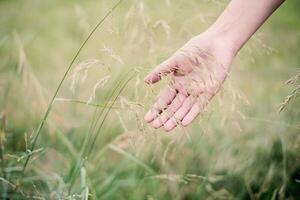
(197, 71)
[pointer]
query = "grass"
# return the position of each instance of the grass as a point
(94, 143)
(60, 84)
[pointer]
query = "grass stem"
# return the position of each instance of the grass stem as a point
(41, 125)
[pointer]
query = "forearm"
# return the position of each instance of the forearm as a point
(242, 18)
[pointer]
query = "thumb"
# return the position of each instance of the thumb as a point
(162, 69)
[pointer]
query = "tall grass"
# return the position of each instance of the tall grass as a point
(93, 143)
(61, 83)
(294, 82)
(52, 101)
(95, 127)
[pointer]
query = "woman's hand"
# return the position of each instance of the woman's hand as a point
(200, 67)
(197, 71)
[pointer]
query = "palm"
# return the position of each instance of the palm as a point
(197, 70)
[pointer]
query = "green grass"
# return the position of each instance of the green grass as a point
(240, 148)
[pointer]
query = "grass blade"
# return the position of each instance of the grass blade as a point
(61, 83)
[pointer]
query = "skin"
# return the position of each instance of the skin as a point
(200, 67)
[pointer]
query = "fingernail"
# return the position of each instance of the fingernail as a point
(156, 124)
(146, 79)
(148, 117)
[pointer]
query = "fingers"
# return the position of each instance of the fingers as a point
(180, 114)
(169, 112)
(192, 114)
(164, 68)
(166, 97)
(183, 110)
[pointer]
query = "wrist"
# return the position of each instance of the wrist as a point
(224, 37)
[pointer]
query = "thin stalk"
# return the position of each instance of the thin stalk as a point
(132, 158)
(61, 82)
(84, 103)
(97, 117)
(84, 152)
(106, 114)
(80, 163)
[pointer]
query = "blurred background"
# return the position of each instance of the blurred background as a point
(94, 143)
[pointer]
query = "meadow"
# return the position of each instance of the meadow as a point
(93, 143)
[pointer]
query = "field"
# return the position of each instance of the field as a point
(94, 143)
